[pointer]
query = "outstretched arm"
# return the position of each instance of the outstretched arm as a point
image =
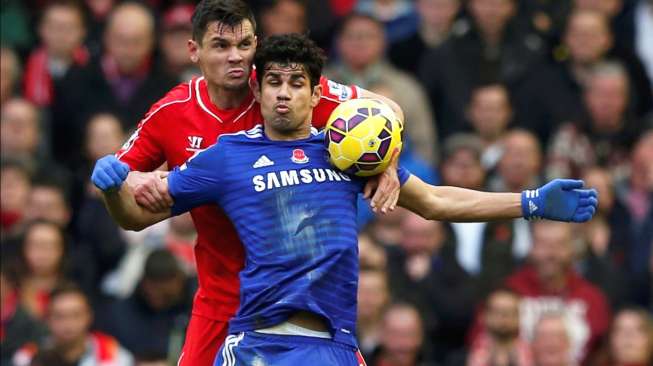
(109, 175)
(560, 200)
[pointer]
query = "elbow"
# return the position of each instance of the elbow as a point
(131, 224)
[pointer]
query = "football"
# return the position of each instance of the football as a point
(361, 135)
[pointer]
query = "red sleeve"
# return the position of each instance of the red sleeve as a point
(143, 151)
(333, 94)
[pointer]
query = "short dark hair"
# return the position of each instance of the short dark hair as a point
(68, 288)
(227, 12)
(289, 49)
(161, 265)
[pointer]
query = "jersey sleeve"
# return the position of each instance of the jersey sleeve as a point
(403, 175)
(142, 151)
(333, 94)
(196, 182)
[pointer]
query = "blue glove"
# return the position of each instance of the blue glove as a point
(560, 200)
(109, 173)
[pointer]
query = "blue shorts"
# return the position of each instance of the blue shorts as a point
(258, 349)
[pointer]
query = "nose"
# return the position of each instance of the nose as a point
(284, 92)
(234, 55)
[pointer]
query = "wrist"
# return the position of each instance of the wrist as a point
(532, 205)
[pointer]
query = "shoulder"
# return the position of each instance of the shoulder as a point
(253, 134)
(175, 98)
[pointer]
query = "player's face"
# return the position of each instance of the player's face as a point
(225, 54)
(286, 97)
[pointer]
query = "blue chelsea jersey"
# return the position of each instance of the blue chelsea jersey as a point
(296, 217)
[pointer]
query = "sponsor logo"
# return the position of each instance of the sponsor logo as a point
(263, 161)
(286, 178)
(195, 142)
(532, 207)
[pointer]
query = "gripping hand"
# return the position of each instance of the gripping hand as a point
(109, 173)
(560, 200)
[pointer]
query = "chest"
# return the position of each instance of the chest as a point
(199, 130)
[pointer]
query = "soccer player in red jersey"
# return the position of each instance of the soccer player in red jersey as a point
(189, 119)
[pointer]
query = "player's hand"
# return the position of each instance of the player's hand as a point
(150, 191)
(109, 173)
(384, 188)
(560, 200)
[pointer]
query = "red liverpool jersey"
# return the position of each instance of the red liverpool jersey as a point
(178, 126)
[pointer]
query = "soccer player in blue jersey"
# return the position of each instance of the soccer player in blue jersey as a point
(296, 216)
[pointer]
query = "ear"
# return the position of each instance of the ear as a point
(193, 51)
(256, 89)
(317, 94)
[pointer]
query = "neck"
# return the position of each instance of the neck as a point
(492, 37)
(43, 281)
(555, 282)
(433, 35)
(226, 98)
(74, 351)
(303, 132)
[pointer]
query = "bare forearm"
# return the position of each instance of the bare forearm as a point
(127, 213)
(466, 205)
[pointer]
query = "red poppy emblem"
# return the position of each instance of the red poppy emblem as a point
(299, 157)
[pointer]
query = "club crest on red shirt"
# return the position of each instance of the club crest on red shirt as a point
(299, 157)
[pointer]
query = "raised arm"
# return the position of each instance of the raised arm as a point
(560, 200)
(364, 93)
(109, 175)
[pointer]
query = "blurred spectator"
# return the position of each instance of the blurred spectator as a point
(552, 341)
(98, 11)
(143, 323)
(15, 186)
(490, 112)
(386, 229)
(436, 18)
(360, 45)
(20, 131)
(643, 19)
(553, 95)
(373, 298)
(69, 319)
(125, 80)
(606, 136)
(630, 342)
(370, 253)
(484, 250)
(44, 248)
(402, 338)
(177, 30)
(9, 74)
(635, 193)
(48, 201)
(17, 326)
(421, 271)
(520, 162)
(180, 240)
(151, 359)
(492, 48)
(549, 283)
(398, 17)
(500, 343)
(61, 31)
(283, 17)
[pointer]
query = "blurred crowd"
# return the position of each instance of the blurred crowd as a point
(498, 95)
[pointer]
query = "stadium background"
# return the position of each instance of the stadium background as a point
(498, 95)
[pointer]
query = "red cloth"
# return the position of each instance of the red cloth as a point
(178, 126)
(37, 82)
(585, 305)
(203, 340)
(480, 353)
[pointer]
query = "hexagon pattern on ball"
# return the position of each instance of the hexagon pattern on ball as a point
(359, 135)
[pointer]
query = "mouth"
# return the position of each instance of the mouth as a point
(281, 109)
(236, 73)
